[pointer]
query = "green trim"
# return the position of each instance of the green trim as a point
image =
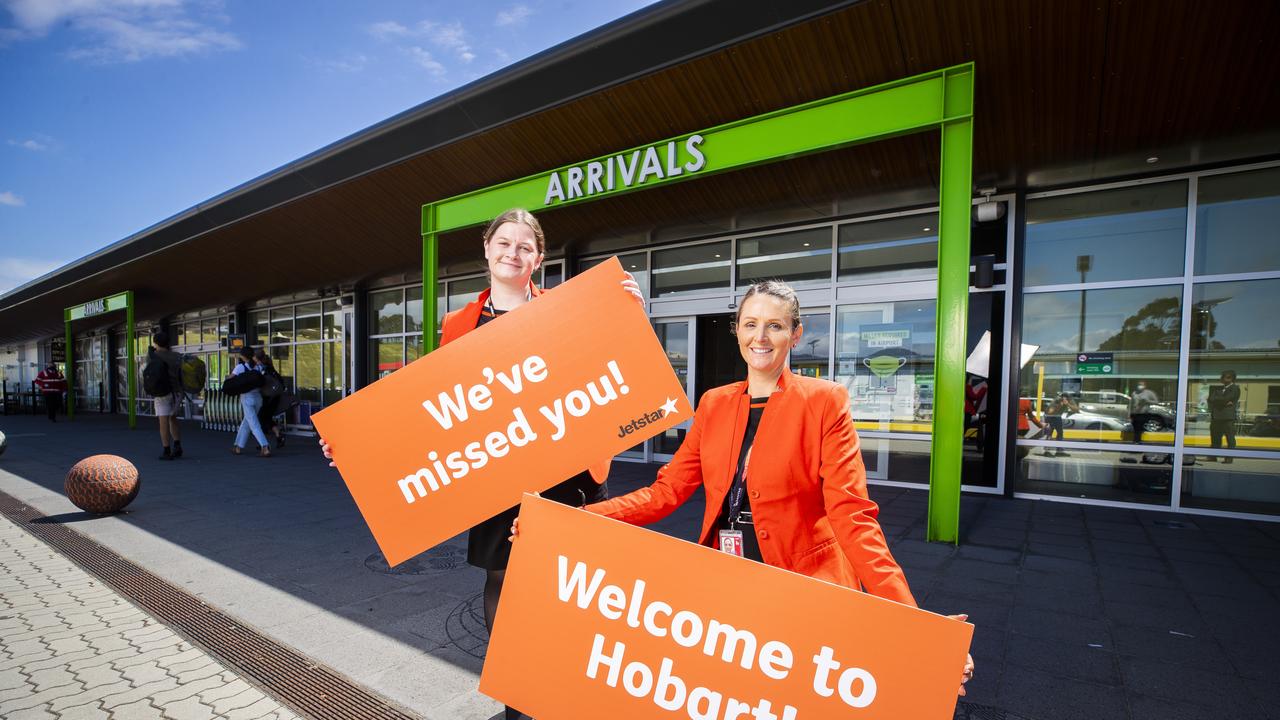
(942, 99)
(94, 308)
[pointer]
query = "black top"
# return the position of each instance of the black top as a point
(735, 514)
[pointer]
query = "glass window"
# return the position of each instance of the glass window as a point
(1123, 234)
(413, 308)
(331, 328)
(897, 459)
(1234, 329)
(282, 358)
(209, 331)
(178, 337)
(1113, 354)
(388, 356)
(1238, 223)
(674, 337)
(412, 348)
(308, 327)
(809, 357)
(800, 258)
(334, 370)
(636, 263)
(891, 248)
(552, 274)
(884, 356)
(281, 326)
(1243, 485)
(686, 270)
(308, 380)
(386, 312)
(462, 292)
(1097, 474)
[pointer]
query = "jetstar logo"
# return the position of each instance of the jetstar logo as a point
(663, 410)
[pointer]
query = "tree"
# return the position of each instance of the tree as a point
(1154, 326)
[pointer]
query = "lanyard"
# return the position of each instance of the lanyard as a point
(738, 492)
(488, 302)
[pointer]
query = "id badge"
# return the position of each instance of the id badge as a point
(731, 542)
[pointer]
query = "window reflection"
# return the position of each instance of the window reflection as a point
(809, 357)
(681, 271)
(1123, 234)
(1244, 485)
(889, 249)
(636, 263)
(1236, 220)
(1233, 388)
(1107, 365)
(800, 258)
(1098, 474)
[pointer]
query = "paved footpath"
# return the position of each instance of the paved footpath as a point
(72, 648)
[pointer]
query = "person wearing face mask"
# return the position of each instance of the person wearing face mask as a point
(1140, 409)
(778, 458)
(514, 246)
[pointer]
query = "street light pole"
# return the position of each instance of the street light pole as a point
(1084, 263)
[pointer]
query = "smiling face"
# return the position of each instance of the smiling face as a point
(512, 254)
(765, 333)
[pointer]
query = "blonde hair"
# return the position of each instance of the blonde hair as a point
(777, 289)
(522, 216)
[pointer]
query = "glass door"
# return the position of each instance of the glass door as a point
(677, 338)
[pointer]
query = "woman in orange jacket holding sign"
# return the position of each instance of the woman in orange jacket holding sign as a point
(778, 458)
(514, 246)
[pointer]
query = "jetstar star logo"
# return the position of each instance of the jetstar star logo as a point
(667, 408)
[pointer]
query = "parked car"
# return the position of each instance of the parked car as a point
(1115, 404)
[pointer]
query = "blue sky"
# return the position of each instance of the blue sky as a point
(117, 114)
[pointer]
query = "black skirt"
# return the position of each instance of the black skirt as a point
(487, 544)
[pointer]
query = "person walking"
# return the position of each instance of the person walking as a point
(1224, 401)
(250, 404)
(1055, 417)
(162, 379)
(51, 385)
(270, 401)
(1140, 409)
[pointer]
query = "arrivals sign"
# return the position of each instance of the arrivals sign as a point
(624, 171)
(518, 405)
(98, 307)
(602, 619)
(1095, 364)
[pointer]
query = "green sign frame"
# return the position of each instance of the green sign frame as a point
(940, 100)
(93, 308)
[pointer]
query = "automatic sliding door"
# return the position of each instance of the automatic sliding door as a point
(676, 336)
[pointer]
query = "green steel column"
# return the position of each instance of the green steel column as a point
(430, 273)
(128, 354)
(70, 365)
(953, 311)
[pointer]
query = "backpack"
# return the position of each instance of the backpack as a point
(272, 385)
(155, 377)
(242, 383)
(194, 374)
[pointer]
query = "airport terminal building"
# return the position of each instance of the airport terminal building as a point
(1123, 232)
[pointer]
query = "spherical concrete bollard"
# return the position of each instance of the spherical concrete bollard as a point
(102, 484)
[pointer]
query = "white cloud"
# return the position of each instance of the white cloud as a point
(124, 30)
(349, 64)
(514, 15)
(15, 271)
(8, 198)
(424, 59)
(388, 29)
(30, 144)
(449, 37)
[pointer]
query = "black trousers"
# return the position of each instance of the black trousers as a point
(53, 400)
(1219, 428)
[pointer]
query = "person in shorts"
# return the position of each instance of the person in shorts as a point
(168, 406)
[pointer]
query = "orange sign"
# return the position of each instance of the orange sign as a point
(602, 619)
(530, 399)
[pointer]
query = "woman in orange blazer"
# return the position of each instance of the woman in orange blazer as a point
(778, 458)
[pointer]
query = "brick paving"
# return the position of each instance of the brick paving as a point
(72, 648)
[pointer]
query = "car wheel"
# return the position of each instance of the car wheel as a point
(1152, 425)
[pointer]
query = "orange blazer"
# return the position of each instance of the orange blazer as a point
(460, 322)
(807, 484)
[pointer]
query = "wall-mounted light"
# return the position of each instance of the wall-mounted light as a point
(988, 209)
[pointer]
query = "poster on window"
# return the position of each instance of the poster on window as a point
(884, 386)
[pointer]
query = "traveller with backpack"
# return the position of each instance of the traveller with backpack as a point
(162, 380)
(272, 394)
(245, 381)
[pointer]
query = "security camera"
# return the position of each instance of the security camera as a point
(988, 209)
